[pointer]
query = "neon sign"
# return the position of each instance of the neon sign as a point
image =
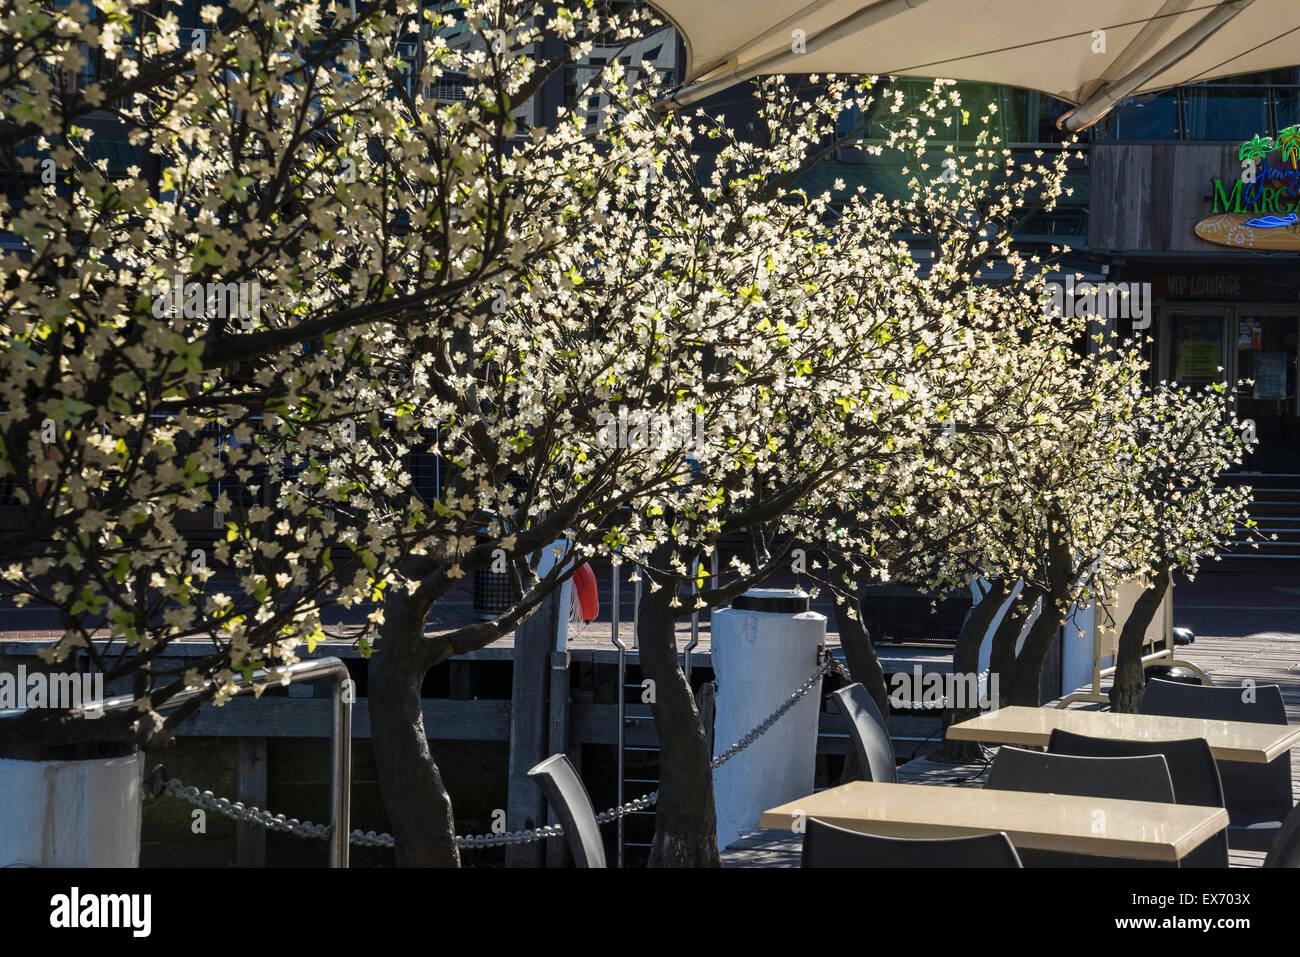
(1261, 209)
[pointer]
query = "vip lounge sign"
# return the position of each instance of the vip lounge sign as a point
(1260, 209)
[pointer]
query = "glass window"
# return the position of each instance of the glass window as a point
(1233, 109)
(583, 79)
(1226, 113)
(1145, 118)
(1030, 116)
(914, 94)
(188, 15)
(975, 100)
(1286, 107)
(1020, 115)
(1266, 354)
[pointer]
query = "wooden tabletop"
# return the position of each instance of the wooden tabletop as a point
(1229, 740)
(1144, 830)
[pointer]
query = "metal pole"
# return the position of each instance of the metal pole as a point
(622, 669)
(1112, 92)
(341, 770)
(1168, 617)
(636, 609)
(695, 623)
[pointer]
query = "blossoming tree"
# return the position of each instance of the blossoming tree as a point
(174, 334)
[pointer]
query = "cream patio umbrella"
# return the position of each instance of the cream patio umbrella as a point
(1092, 53)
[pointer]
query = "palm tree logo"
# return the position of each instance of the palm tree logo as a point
(1256, 147)
(1288, 141)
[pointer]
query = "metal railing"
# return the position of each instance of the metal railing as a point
(340, 734)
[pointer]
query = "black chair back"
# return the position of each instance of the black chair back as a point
(825, 845)
(1191, 769)
(1143, 777)
(568, 798)
(867, 729)
(1253, 793)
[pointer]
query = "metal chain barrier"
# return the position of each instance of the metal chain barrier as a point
(827, 664)
(241, 814)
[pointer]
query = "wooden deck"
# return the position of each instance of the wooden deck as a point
(1265, 658)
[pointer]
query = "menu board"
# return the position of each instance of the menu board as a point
(1198, 349)
(1270, 375)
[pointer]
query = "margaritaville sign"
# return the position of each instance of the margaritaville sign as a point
(1260, 209)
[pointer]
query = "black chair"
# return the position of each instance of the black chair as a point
(1142, 777)
(825, 845)
(568, 798)
(1257, 796)
(867, 729)
(1192, 770)
(1139, 778)
(1286, 849)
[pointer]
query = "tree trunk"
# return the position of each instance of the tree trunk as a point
(417, 802)
(1002, 656)
(864, 666)
(859, 651)
(686, 825)
(966, 661)
(1026, 676)
(1130, 678)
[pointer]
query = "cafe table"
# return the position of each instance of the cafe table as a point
(1140, 830)
(1032, 727)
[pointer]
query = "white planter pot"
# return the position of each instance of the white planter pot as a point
(71, 813)
(760, 658)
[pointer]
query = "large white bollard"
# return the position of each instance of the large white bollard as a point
(764, 647)
(83, 813)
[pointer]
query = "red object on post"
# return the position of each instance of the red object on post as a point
(584, 584)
